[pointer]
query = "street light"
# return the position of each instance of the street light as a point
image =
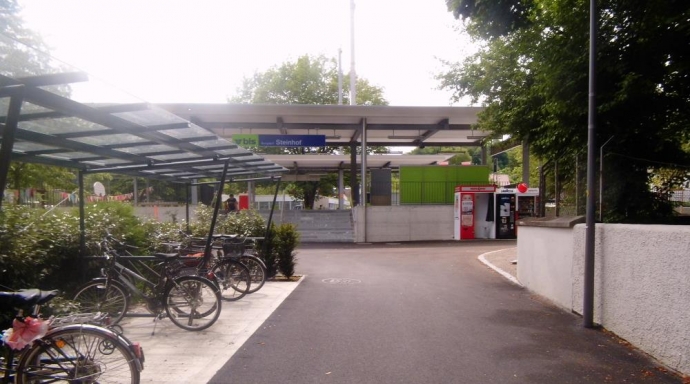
(601, 180)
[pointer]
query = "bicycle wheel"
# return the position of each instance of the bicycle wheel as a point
(256, 270)
(233, 279)
(192, 303)
(81, 354)
(103, 296)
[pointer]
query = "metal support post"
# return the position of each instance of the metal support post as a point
(11, 122)
(588, 299)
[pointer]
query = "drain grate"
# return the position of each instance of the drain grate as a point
(341, 281)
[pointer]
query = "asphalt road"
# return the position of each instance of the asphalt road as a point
(425, 313)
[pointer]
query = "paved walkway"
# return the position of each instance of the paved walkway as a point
(408, 313)
(174, 355)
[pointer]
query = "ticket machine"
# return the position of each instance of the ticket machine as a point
(513, 204)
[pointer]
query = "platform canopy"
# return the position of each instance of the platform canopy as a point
(41, 122)
(330, 163)
(343, 125)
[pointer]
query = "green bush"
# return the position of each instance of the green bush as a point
(265, 249)
(286, 241)
(41, 250)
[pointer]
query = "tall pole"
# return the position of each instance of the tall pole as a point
(588, 300)
(363, 195)
(340, 76)
(353, 75)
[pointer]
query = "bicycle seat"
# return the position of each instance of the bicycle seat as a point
(27, 297)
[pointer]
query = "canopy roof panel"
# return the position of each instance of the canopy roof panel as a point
(137, 139)
(342, 125)
(330, 163)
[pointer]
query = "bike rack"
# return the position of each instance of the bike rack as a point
(218, 200)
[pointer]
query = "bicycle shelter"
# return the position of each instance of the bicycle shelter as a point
(41, 123)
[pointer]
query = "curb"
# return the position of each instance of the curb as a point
(501, 272)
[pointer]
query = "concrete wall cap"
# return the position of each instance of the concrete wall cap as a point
(558, 222)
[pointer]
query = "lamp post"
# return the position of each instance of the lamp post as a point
(588, 300)
(601, 180)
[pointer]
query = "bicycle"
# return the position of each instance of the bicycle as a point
(192, 302)
(39, 352)
(233, 277)
(235, 248)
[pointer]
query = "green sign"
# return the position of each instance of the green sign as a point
(246, 140)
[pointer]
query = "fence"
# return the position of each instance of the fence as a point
(42, 198)
(681, 196)
(421, 193)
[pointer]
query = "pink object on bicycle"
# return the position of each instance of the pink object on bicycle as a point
(24, 332)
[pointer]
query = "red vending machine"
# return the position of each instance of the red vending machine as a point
(470, 210)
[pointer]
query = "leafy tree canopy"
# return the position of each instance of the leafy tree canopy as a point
(532, 75)
(462, 154)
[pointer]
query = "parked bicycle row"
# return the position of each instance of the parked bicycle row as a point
(186, 285)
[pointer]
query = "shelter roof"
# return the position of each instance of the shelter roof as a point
(342, 125)
(329, 163)
(134, 138)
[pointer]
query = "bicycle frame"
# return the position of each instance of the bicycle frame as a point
(123, 274)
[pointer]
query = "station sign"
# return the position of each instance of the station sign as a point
(244, 140)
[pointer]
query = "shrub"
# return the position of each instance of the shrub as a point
(265, 249)
(286, 240)
(40, 249)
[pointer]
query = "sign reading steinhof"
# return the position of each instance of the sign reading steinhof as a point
(280, 140)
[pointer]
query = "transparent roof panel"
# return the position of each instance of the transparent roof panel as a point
(136, 150)
(218, 143)
(27, 107)
(176, 157)
(27, 146)
(75, 155)
(105, 140)
(232, 152)
(193, 131)
(61, 126)
(152, 116)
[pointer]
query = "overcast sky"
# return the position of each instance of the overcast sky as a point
(198, 51)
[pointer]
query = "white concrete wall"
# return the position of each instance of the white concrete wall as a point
(404, 223)
(550, 255)
(642, 281)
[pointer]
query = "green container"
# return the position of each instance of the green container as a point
(435, 184)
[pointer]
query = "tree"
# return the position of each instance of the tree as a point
(532, 74)
(308, 80)
(463, 154)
